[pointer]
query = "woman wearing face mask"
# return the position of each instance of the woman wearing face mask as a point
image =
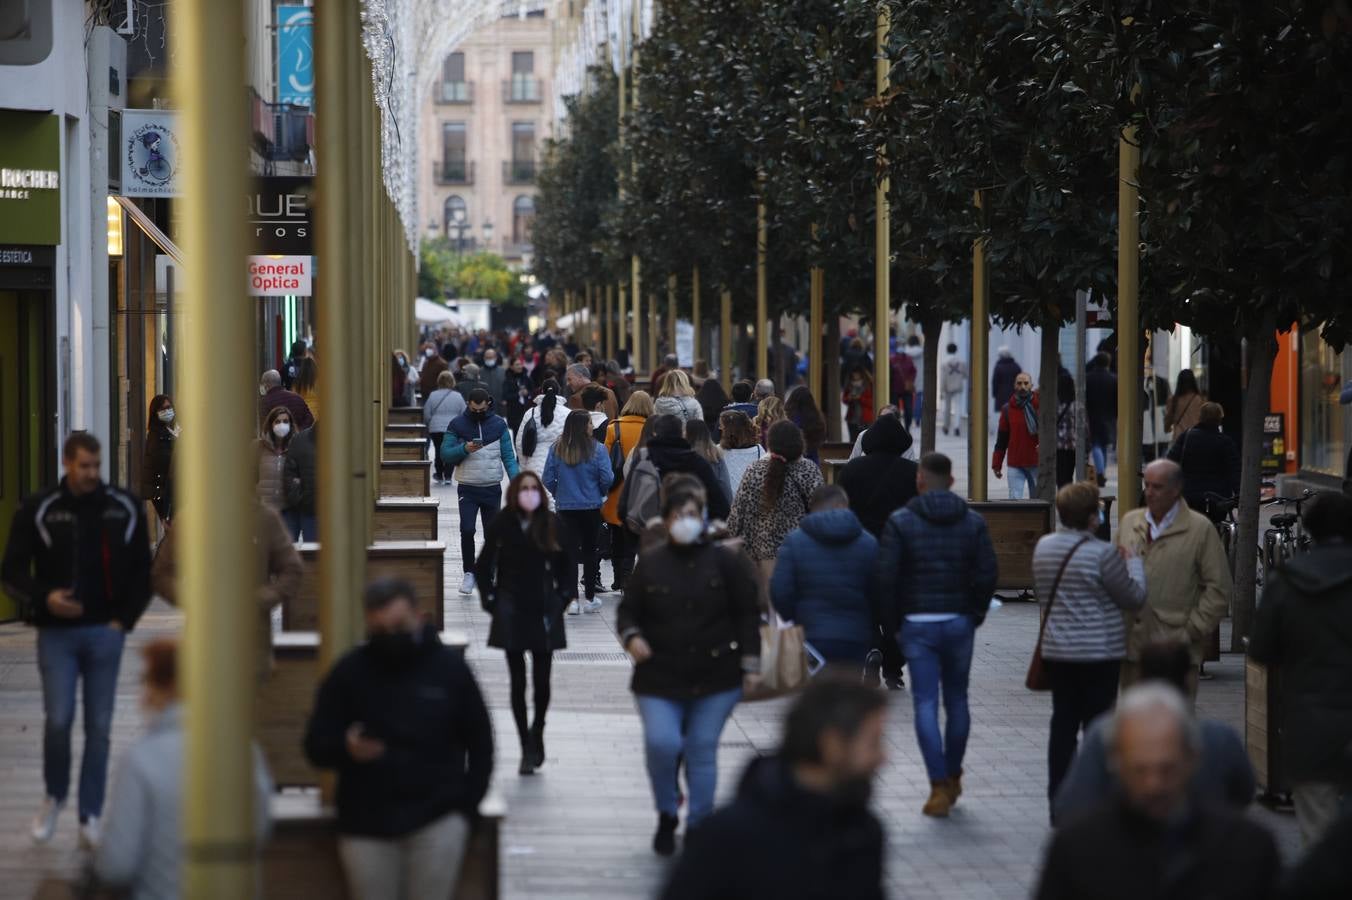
(690, 621)
(578, 474)
(516, 393)
(525, 579)
(157, 469)
(402, 378)
(272, 447)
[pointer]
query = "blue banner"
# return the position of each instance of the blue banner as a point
(295, 55)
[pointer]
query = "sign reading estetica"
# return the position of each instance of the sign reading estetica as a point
(30, 178)
(280, 276)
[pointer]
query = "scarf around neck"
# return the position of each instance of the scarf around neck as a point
(1029, 413)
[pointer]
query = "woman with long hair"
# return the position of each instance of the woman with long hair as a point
(307, 383)
(1184, 409)
(271, 449)
(525, 579)
(774, 495)
(712, 398)
(800, 407)
(626, 432)
(740, 445)
(401, 379)
(689, 621)
(578, 474)
(702, 442)
(770, 411)
(157, 463)
(677, 398)
(540, 428)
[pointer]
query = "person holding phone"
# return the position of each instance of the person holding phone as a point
(479, 445)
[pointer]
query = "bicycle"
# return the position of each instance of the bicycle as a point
(1285, 538)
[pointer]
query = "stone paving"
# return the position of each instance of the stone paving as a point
(580, 828)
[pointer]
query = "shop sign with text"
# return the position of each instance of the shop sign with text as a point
(279, 215)
(150, 154)
(280, 276)
(30, 178)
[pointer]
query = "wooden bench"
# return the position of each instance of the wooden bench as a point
(406, 478)
(404, 415)
(1015, 528)
(831, 450)
(419, 562)
(286, 699)
(406, 518)
(301, 859)
(404, 449)
(831, 469)
(405, 432)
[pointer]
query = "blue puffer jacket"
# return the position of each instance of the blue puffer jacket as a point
(583, 486)
(935, 556)
(823, 576)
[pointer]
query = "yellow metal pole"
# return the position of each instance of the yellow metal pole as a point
(653, 322)
(694, 307)
(882, 241)
(978, 437)
(1128, 324)
(816, 322)
(671, 315)
(622, 323)
(608, 320)
(725, 339)
(762, 287)
(218, 564)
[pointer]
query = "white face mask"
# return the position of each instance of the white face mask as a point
(166, 415)
(262, 391)
(528, 499)
(429, 353)
(490, 363)
(281, 429)
(686, 530)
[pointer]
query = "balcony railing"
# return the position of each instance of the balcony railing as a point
(281, 131)
(521, 89)
(454, 172)
(455, 92)
(518, 171)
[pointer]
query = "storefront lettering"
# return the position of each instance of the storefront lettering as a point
(16, 257)
(279, 276)
(30, 179)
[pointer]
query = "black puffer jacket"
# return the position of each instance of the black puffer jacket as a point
(1304, 625)
(427, 709)
(300, 473)
(676, 456)
(524, 588)
(157, 471)
(697, 607)
(1210, 462)
(779, 840)
(881, 481)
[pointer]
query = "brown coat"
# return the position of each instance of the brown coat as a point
(611, 407)
(1181, 413)
(279, 569)
(427, 379)
(1188, 584)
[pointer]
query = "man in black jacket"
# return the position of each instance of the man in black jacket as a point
(300, 481)
(670, 452)
(800, 828)
(402, 720)
(1100, 406)
(1150, 840)
(1209, 459)
(1304, 625)
(78, 563)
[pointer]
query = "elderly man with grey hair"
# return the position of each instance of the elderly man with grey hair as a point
(764, 388)
(578, 377)
(271, 395)
(1188, 580)
(1152, 839)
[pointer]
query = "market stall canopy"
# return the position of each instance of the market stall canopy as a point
(430, 312)
(574, 318)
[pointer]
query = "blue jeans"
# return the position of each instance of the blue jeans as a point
(1099, 453)
(483, 501)
(689, 728)
(66, 655)
(299, 523)
(940, 653)
(1022, 482)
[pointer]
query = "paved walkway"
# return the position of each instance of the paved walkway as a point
(580, 828)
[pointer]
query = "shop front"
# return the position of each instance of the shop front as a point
(30, 229)
(280, 275)
(1325, 424)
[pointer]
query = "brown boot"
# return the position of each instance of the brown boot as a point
(940, 800)
(954, 785)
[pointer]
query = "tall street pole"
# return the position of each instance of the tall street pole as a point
(882, 242)
(762, 285)
(218, 564)
(978, 435)
(694, 306)
(816, 323)
(1128, 323)
(725, 339)
(671, 315)
(635, 269)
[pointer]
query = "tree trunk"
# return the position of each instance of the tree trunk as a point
(1046, 417)
(933, 329)
(1262, 349)
(831, 374)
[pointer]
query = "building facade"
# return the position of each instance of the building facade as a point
(485, 120)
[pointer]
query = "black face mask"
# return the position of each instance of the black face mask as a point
(478, 415)
(392, 648)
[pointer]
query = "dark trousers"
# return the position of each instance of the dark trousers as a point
(483, 501)
(583, 527)
(438, 467)
(893, 659)
(541, 665)
(909, 412)
(1081, 692)
(623, 549)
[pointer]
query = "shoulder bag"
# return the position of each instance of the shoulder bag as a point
(1036, 679)
(617, 459)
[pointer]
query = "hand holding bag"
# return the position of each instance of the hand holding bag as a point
(784, 660)
(1036, 679)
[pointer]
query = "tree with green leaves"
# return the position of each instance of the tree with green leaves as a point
(444, 273)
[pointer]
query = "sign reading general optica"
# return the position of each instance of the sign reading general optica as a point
(295, 55)
(280, 276)
(30, 178)
(149, 153)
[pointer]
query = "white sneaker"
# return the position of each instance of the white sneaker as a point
(467, 584)
(594, 605)
(44, 823)
(90, 833)
(574, 609)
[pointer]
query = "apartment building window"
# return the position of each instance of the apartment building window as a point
(524, 86)
(454, 88)
(521, 168)
(523, 217)
(455, 217)
(454, 168)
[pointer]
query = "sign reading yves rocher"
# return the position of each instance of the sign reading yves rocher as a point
(279, 215)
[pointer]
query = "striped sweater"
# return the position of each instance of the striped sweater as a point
(1086, 623)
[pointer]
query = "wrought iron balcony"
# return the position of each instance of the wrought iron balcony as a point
(454, 172)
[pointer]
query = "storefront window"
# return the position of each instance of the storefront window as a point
(1324, 424)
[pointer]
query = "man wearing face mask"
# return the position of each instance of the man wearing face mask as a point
(800, 826)
(479, 446)
(493, 375)
(1017, 440)
(402, 721)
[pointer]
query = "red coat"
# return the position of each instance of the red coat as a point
(1015, 440)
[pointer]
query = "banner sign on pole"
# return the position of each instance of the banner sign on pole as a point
(150, 157)
(295, 55)
(685, 343)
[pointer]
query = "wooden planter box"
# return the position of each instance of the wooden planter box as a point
(397, 449)
(406, 432)
(1262, 732)
(1015, 527)
(419, 562)
(406, 519)
(404, 415)
(406, 478)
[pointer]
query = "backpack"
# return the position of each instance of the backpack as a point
(642, 495)
(617, 458)
(530, 437)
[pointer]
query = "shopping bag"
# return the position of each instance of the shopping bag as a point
(784, 660)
